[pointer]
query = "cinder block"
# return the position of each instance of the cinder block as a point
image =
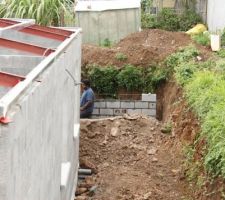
(134, 111)
(152, 105)
(96, 111)
(141, 104)
(149, 112)
(100, 104)
(127, 104)
(106, 111)
(119, 111)
(149, 97)
(113, 104)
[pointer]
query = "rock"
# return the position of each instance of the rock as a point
(114, 131)
(81, 198)
(152, 151)
(80, 191)
(199, 58)
(154, 159)
(175, 171)
(147, 196)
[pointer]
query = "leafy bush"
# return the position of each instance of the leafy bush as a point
(184, 55)
(188, 19)
(202, 39)
(168, 20)
(154, 77)
(149, 21)
(106, 43)
(130, 78)
(104, 80)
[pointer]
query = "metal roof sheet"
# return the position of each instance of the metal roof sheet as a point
(26, 49)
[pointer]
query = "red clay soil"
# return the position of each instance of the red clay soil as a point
(132, 160)
(142, 49)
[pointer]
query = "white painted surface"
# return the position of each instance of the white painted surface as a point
(216, 15)
(65, 173)
(41, 135)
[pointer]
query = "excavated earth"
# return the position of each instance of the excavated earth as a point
(142, 49)
(130, 157)
(131, 160)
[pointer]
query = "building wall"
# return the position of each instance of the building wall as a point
(109, 24)
(146, 106)
(40, 137)
(216, 15)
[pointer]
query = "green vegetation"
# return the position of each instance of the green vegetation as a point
(130, 78)
(168, 19)
(121, 57)
(154, 76)
(104, 80)
(204, 86)
(46, 12)
(202, 39)
(223, 38)
(108, 80)
(221, 53)
(167, 128)
(106, 43)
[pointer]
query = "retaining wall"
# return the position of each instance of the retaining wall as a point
(105, 107)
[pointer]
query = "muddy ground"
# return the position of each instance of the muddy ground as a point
(132, 160)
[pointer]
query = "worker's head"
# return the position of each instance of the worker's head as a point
(85, 84)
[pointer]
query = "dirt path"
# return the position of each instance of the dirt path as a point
(132, 160)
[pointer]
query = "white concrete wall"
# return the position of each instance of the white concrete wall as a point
(109, 24)
(216, 15)
(41, 135)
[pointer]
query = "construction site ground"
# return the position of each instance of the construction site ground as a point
(132, 160)
(130, 157)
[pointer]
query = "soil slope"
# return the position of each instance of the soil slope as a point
(132, 160)
(142, 49)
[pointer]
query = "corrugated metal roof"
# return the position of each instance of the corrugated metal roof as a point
(23, 47)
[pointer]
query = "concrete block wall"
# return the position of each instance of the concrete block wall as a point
(41, 137)
(105, 107)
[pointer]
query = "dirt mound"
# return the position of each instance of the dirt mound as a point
(140, 49)
(132, 159)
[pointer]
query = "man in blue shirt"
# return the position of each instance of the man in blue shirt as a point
(87, 100)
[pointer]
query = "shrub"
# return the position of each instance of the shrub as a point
(168, 20)
(202, 39)
(184, 55)
(104, 80)
(130, 78)
(154, 77)
(106, 43)
(149, 21)
(188, 19)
